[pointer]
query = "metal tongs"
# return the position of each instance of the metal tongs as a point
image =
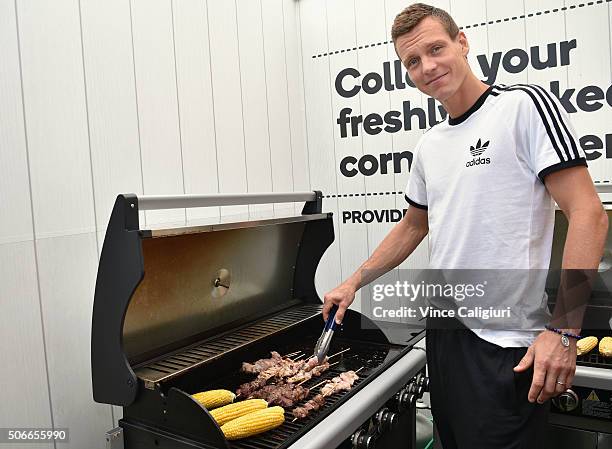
(324, 341)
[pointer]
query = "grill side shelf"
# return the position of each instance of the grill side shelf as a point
(179, 362)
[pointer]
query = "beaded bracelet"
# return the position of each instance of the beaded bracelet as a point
(559, 331)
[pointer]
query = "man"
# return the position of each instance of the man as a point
(488, 389)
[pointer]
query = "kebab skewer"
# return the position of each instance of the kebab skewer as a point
(344, 381)
(296, 371)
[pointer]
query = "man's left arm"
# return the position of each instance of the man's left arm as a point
(555, 364)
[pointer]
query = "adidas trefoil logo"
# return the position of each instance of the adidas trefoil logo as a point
(479, 148)
(476, 151)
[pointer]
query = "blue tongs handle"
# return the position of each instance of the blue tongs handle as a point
(330, 324)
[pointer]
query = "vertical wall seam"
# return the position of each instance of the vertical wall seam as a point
(525, 32)
(246, 168)
(610, 39)
(301, 59)
(35, 246)
(288, 102)
(331, 108)
(212, 94)
(365, 188)
(565, 31)
(91, 170)
(263, 45)
(178, 101)
(137, 106)
(387, 34)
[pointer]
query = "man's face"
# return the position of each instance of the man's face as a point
(435, 62)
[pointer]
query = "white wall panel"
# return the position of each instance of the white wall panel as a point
(195, 99)
(353, 237)
(466, 14)
(55, 114)
(227, 99)
(14, 182)
(67, 271)
(253, 73)
(590, 27)
(295, 93)
(22, 347)
(111, 100)
(156, 91)
(319, 122)
(542, 30)
(507, 35)
(281, 150)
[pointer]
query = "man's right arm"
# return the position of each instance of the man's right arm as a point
(401, 241)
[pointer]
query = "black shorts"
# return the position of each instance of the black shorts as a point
(477, 400)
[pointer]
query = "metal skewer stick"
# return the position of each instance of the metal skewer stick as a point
(322, 382)
(292, 353)
(306, 380)
(338, 353)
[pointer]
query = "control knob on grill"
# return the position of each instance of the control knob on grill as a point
(566, 401)
(363, 440)
(386, 419)
(404, 399)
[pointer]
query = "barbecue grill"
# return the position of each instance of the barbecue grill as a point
(582, 416)
(176, 311)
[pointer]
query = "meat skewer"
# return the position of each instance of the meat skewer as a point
(297, 371)
(285, 395)
(344, 381)
(263, 364)
(304, 376)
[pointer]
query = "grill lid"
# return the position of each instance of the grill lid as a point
(160, 291)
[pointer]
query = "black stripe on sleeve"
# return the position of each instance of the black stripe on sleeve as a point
(542, 116)
(553, 119)
(570, 138)
(417, 205)
(561, 166)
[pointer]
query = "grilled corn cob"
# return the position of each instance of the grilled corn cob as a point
(236, 410)
(254, 423)
(585, 344)
(214, 398)
(605, 346)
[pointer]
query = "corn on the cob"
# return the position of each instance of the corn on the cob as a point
(605, 346)
(585, 344)
(236, 410)
(254, 423)
(214, 398)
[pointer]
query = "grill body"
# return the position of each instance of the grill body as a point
(177, 311)
(582, 417)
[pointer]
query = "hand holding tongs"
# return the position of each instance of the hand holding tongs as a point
(324, 341)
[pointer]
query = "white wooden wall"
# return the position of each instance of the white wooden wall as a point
(99, 98)
(197, 96)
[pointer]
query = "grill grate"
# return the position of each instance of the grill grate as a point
(594, 359)
(368, 356)
(177, 363)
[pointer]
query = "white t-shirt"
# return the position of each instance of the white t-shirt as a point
(480, 178)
